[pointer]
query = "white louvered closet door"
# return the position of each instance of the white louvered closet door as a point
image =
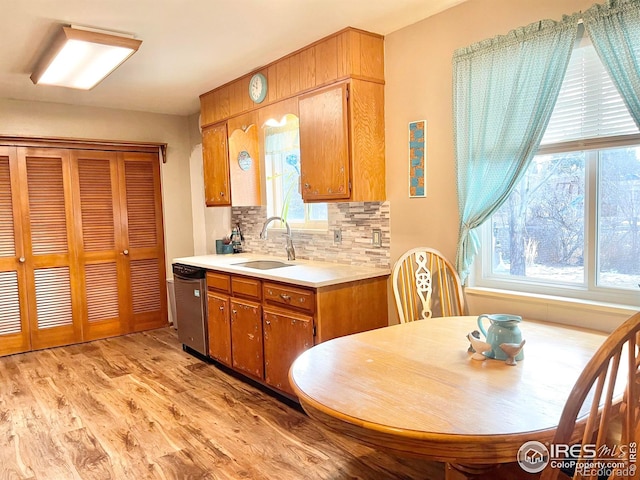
(97, 212)
(143, 240)
(14, 327)
(49, 241)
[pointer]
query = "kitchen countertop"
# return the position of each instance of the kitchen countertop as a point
(306, 273)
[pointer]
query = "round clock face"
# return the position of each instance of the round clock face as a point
(258, 88)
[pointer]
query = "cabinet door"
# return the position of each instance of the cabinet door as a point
(324, 144)
(215, 156)
(286, 336)
(51, 257)
(14, 326)
(96, 203)
(219, 327)
(246, 337)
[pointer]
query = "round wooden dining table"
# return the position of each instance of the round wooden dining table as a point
(414, 388)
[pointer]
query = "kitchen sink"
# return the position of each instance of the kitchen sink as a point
(263, 264)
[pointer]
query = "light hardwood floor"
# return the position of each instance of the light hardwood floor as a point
(138, 407)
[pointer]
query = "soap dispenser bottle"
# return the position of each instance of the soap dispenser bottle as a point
(236, 239)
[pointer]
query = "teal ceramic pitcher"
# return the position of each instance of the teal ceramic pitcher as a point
(503, 329)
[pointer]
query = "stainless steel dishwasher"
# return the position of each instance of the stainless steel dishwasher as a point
(190, 286)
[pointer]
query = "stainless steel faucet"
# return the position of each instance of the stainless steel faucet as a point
(291, 253)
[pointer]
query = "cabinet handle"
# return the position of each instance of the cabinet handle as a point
(285, 297)
(22, 259)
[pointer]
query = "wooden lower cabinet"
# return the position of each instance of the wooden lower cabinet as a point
(259, 327)
(219, 321)
(286, 335)
(246, 338)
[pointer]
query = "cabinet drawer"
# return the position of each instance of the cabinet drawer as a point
(246, 287)
(218, 281)
(287, 296)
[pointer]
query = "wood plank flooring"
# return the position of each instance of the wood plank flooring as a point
(138, 407)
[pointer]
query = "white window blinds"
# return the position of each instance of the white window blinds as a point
(589, 105)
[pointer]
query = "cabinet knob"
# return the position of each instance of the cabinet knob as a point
(234, 311)
(268, 322)
(22, 259)
(306, 185)
(285, 297)
(125, 252)
(222, 194)
(221, 308)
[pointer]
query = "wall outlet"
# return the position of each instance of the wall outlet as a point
(337, 236)
(376, 237)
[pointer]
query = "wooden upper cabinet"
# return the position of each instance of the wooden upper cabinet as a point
(342, 143)
(231, 155)
(324, 144)
(366, 141)
(338, 84)
(349, 53)
(215, 155)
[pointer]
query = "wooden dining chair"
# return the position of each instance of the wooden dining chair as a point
(592, 414)
(426, 285)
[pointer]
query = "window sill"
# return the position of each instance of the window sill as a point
(582, 313)
(314, 231)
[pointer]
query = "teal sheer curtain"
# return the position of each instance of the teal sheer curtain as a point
(614, 29)
(505, 89)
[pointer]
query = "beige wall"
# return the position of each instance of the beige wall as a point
(57, 120)
(418, 74)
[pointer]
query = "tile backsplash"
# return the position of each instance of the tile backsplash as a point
(355, 220)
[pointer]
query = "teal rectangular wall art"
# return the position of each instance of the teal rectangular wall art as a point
(418, 158)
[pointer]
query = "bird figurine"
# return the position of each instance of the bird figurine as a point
(512, 350)
(478, 346)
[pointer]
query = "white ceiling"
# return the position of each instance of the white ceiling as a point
(188, 46)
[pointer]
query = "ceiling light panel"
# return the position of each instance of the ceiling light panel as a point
(81, 59)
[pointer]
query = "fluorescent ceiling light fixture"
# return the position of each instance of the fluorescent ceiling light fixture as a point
(81, 57)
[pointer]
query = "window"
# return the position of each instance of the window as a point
(571, 227)
(282, 166)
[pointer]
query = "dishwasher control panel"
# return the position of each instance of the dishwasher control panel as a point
(188, 271)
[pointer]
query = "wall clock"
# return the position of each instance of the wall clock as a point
(258, 88)
(244, 160)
